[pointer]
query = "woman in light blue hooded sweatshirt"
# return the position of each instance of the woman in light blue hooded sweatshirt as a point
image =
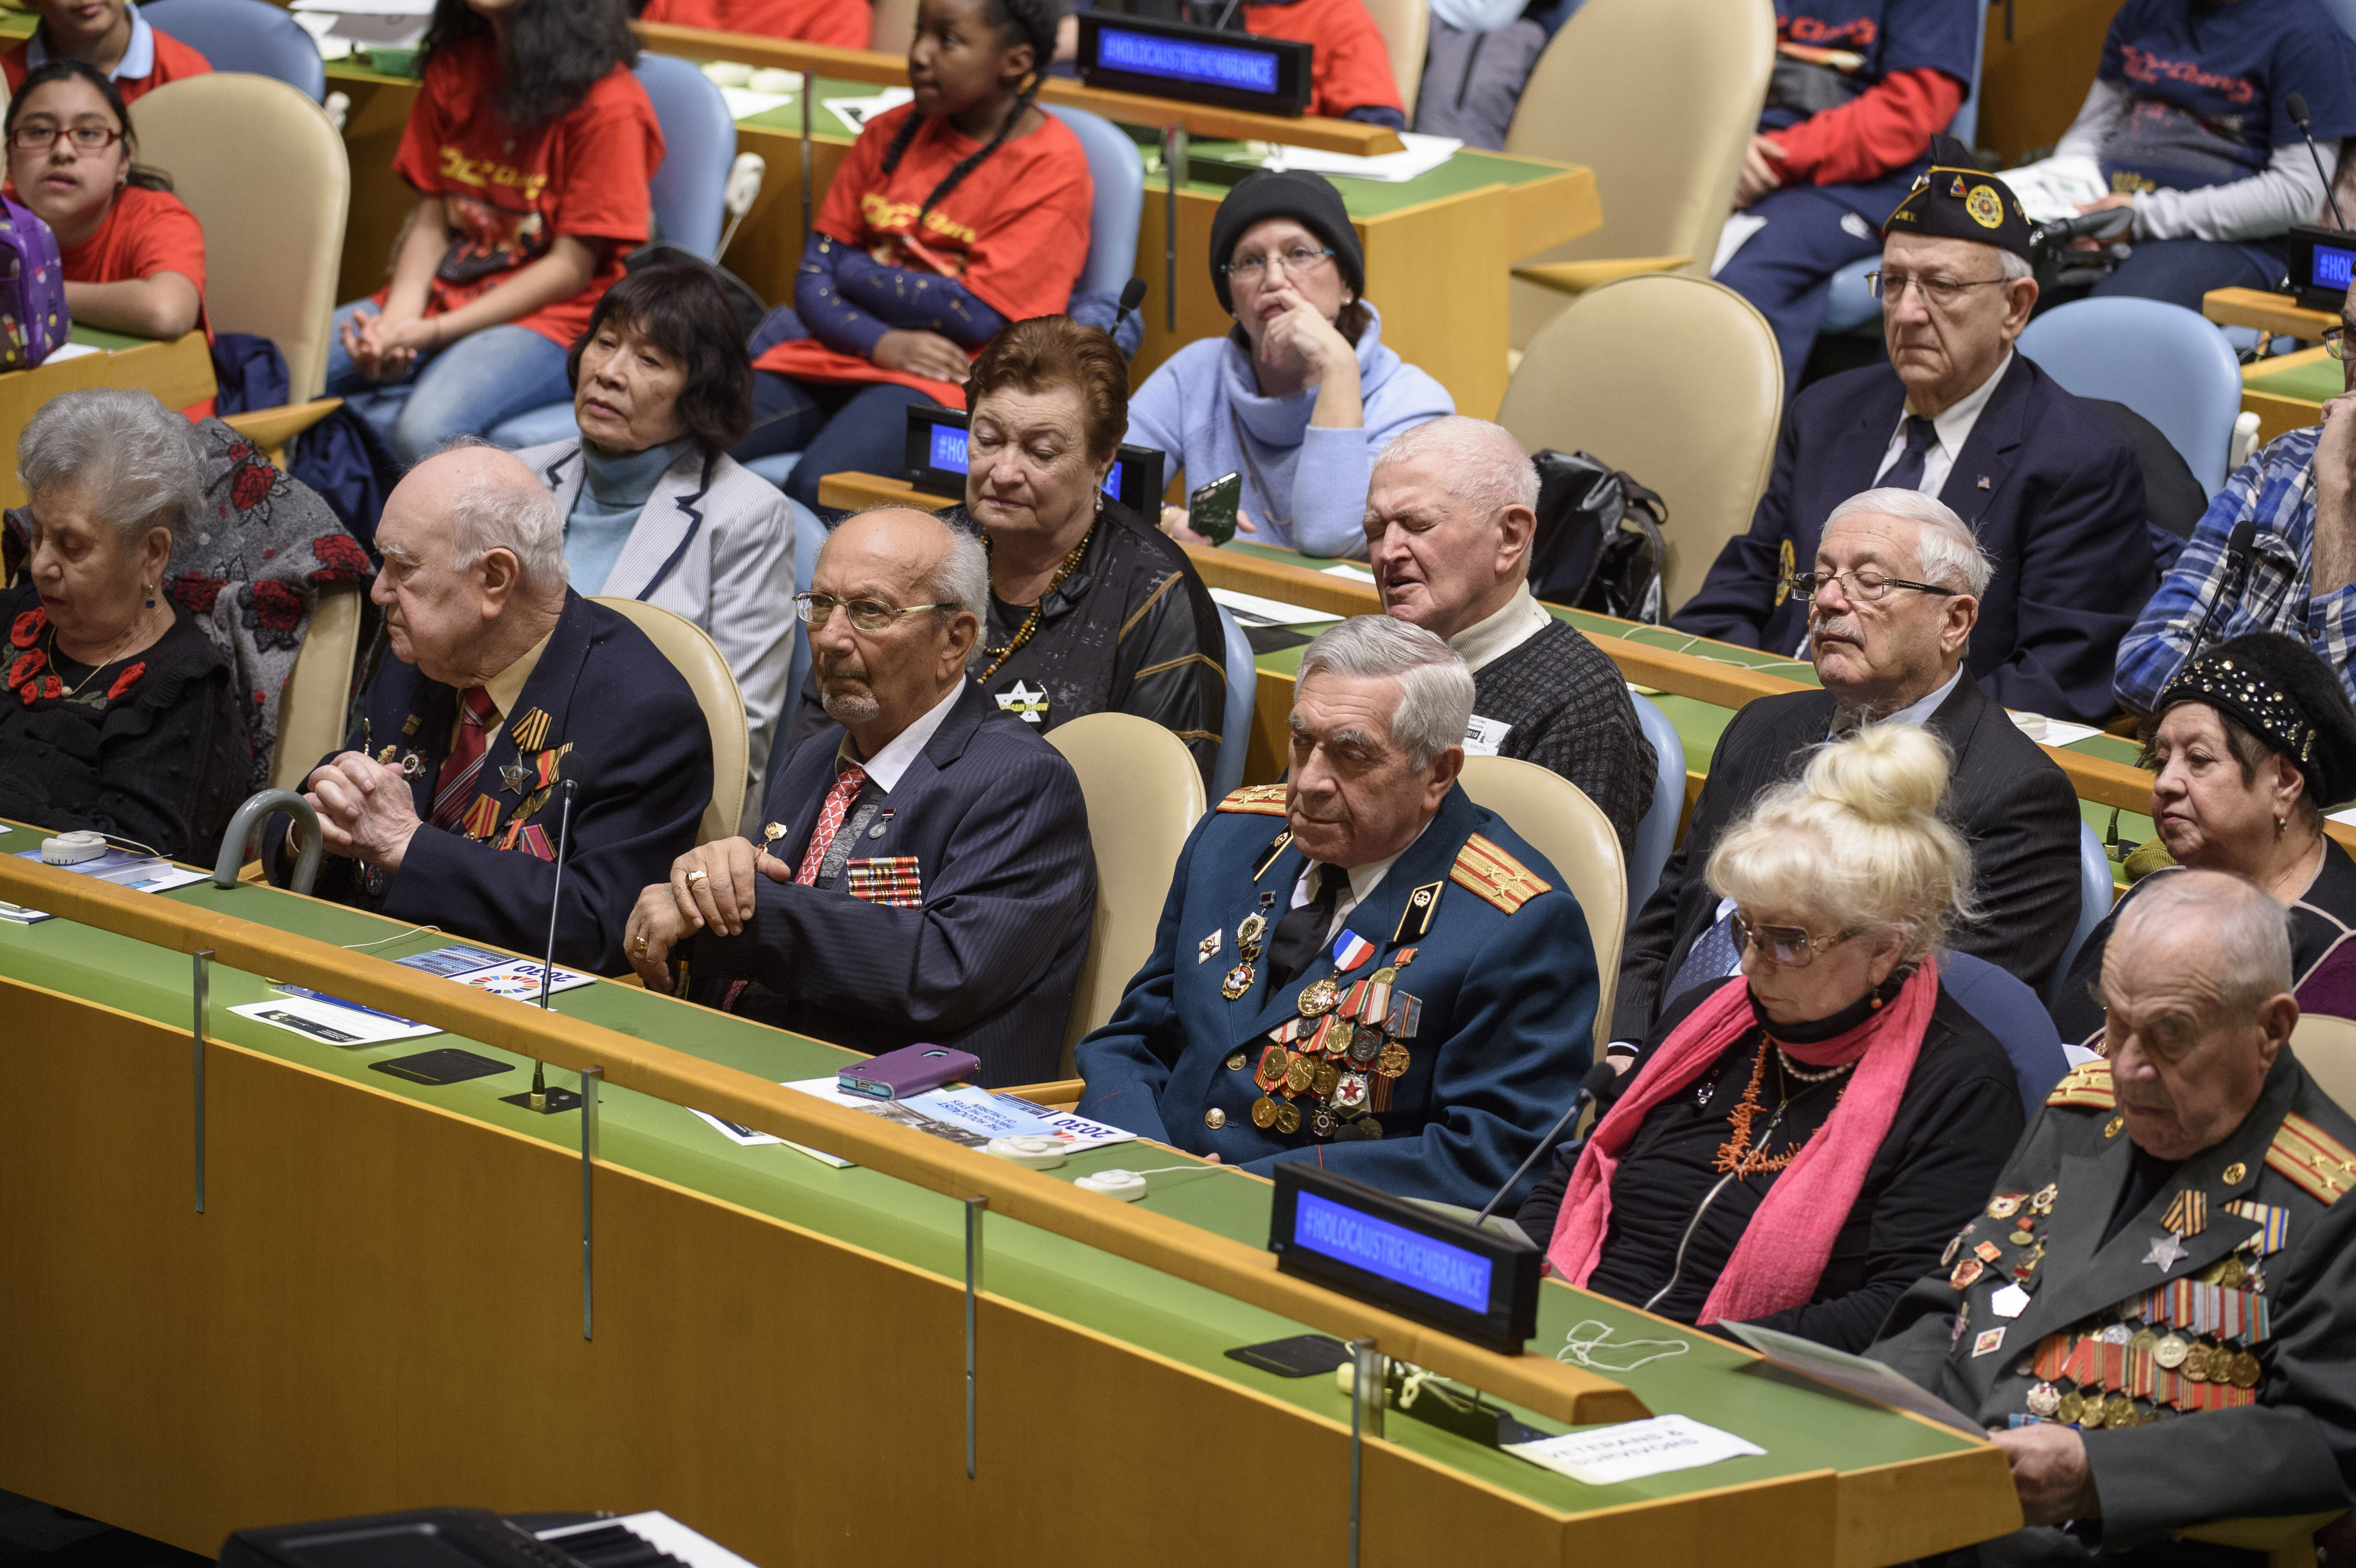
(1301, 397)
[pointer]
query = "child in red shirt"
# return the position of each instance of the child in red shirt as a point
(531, 147)
(846, 24)
(110, 34)
(952, 216)
(1350, 72)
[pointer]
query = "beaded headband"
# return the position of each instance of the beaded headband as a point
(2237, 686)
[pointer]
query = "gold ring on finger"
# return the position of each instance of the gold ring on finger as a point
(694, 876)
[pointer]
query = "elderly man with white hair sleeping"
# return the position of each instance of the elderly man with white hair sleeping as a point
(1449, 516)
(1360, 967)
(2154, 1313)
(445, 806)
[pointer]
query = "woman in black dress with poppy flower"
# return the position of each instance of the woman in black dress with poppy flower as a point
(119, 713)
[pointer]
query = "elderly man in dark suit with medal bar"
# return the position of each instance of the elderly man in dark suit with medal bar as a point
(502, 683)
(2155, 1313)
(1386, 980)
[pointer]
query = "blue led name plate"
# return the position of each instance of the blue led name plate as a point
(1179, 60)
(948, 454)
(1419, 1262)
(2332, 267)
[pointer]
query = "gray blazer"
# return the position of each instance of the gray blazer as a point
(715, 542)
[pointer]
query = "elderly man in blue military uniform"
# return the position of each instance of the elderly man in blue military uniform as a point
(1362, 968)
(2156, 1309)
(446, 807)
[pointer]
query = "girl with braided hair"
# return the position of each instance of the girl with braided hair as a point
(953, 216)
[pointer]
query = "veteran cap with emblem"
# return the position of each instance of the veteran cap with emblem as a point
(1955, 201)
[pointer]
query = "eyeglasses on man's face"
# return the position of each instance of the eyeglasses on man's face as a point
(1862, 587)
(2335, 342)
(1944, 292)
(1789, 947)
(39, 136)
(1251, 266)
(867, 614)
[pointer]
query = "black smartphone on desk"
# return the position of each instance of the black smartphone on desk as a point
(1211, 508)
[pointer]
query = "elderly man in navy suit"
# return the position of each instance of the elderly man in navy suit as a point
(445, 807)
(1362, 967)
(2047, 482)
(926, 873)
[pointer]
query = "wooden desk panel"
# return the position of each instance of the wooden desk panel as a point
(179, 370)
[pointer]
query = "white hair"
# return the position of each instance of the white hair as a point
(2011, 265)
(1435, 688)
(520, 519)
(2241, 924)
(961, 580)
(1482, 465)
(142, 465)
(1946, 551)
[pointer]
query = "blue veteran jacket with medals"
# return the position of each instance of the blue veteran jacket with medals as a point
(1427, 1048)
(601, 705)
(2208, 1350)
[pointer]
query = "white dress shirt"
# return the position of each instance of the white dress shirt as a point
(1493, 637)
(893, 757)
(1953, 428)
(1364, 880)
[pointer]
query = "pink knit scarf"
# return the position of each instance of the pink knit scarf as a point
(1783, 1250)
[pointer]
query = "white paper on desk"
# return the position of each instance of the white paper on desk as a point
(2052, 731)
(379, 32)
(2053, 189)
(1858, 1375)
(1418, 155)
(336, 1026)
(1631, 1450)
(743, 102)
(1253, 610)
(520, 978)
(71, 351)
(662, 1533)
(1354, 574)
(321, 25)
(856, 112)
(1738, 228)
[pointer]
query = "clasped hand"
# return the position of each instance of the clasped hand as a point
(383, 346)
(365, 810)
(925, 354)
(1302, 334)
(711, 887)
(2050, 1472)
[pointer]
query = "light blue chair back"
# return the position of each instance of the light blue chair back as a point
(809, 538)
(2009, 1010)
(1851, 303)
(1118, 175)
(2096, 893)
(1657, 830)
(249, 35)
(2162, 360)
(699, 144)
(1243, 694)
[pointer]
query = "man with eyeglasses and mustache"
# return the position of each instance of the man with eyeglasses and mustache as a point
(2044, 478)
(925, 872)
(1893, 600)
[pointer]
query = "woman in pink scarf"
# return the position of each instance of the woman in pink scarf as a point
(1797, 1143)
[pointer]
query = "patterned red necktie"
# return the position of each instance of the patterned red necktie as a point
(829, 820)
(466, 758)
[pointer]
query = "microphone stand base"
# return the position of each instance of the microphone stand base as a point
(550, 1103)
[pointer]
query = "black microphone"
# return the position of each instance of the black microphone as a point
(2297, 105)
(2238, 547)
(1599, 1078)
(1132, 294)
(570, 787)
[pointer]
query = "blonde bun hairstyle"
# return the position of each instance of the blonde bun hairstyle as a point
(1857, 841)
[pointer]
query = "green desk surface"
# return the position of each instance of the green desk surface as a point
(1803, 1427)
(2318, 380)
(1700, 723)
(110, 341)
(1465, 171)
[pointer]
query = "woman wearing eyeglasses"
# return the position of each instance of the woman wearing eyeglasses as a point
(1300, 396)
(1797, 1144)
(132, 253)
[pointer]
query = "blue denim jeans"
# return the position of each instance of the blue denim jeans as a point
(462, 390)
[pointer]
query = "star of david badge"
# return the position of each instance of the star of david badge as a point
(2166, 1250)
(1027, 701)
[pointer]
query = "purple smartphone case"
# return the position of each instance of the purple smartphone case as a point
(910, 1070)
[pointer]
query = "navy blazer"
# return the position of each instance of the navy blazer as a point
(993, 818)
(640, 749)
(1507, 1031)
(2053, 490)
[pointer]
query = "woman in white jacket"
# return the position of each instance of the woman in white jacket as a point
(654, 507)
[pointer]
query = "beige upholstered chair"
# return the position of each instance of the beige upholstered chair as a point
(1659, 98)
(1676, 379)
(894, 26)
(1406, 27)
(2326, 1046)
(1144, 795)
(1561, 823)
(311, 710)
(264, 172)
(695, 656)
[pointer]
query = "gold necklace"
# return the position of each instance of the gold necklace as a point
(56, 657)
(999, 656)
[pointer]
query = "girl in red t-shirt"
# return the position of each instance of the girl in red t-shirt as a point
(132, 254)
(110, 34)
(530, 147)
(952, 216)
(846, 24)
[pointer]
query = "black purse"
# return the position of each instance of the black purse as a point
(1598, 545)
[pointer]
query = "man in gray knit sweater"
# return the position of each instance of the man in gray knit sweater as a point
(1449, 514)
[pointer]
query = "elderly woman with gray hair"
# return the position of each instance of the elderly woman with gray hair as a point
(118, 715)
(1797, 1142)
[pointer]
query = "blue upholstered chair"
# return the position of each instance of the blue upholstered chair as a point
(2168, 364)
(2097, 890)
(698, 145)
(1657, 830)
(251, 36)
(2010, 1010)
(1243, 694)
